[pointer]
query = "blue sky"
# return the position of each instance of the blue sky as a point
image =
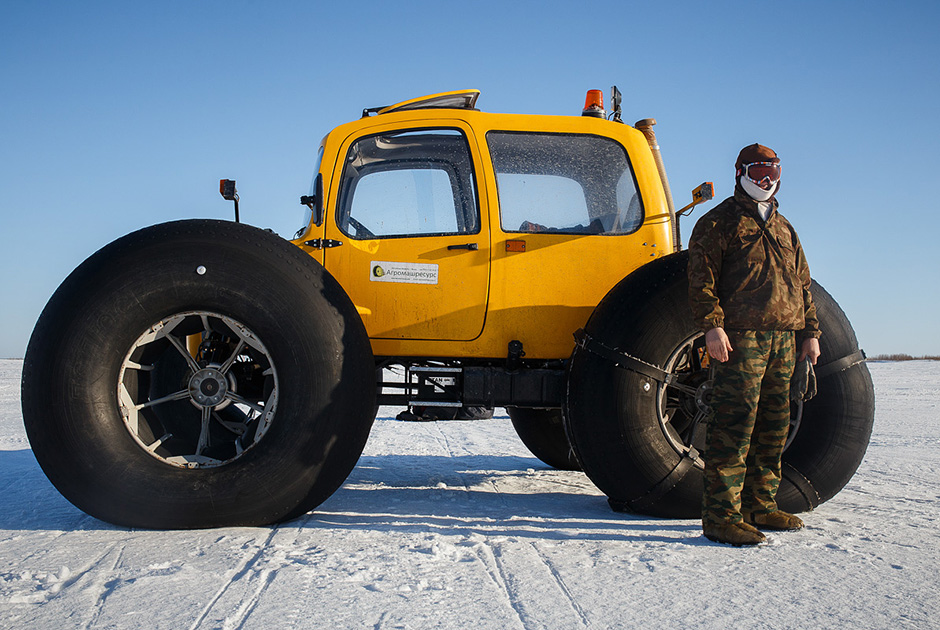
(119, 115)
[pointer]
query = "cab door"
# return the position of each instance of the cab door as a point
(415, 249)
(580, 208)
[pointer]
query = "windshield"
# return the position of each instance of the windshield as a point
(408, 183)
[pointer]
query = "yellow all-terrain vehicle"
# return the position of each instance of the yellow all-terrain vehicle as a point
(207, 373)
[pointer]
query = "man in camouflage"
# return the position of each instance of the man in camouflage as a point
(749, 292)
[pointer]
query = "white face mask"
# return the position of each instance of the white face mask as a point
(754, 191)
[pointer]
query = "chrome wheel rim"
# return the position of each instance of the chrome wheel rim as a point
(685, 401)
(197, 390)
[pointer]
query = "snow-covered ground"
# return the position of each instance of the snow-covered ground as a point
(455, 525)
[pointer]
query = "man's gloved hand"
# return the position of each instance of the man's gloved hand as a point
(803, 383)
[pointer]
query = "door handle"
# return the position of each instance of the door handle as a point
(467, 246)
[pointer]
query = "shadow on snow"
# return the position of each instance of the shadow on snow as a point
(453, 495)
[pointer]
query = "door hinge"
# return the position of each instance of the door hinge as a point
(322, 243)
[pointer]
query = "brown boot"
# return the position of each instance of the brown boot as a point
(777, 520)
(732, 534)
(752, 529)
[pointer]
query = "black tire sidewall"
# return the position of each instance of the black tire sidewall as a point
(303, 318)
(543, 433)
(612, 412)
(836, 424)
(612, 417)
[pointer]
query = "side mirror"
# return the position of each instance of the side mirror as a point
(703, 193)
(313, 201)
(228, 192)
(227, 189)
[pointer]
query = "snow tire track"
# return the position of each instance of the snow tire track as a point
(494, 570)
(106, 586)
(247, 605)
(86, 570)
(441, 438)
(520, 571)
(378, 624)
(41, 549)
(237, 621)
(561, 585)
(445, 442)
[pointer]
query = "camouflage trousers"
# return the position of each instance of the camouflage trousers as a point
(748, 425)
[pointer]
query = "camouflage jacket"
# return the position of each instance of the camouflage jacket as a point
(747, 274)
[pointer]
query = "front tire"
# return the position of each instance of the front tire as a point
(198, 374)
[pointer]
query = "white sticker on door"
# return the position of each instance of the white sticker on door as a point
(409, 273)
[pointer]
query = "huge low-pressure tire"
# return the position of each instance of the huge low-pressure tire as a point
(639, 437)
(543, 433)
(198, 374)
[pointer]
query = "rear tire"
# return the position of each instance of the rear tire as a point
(638, 438)
(263, 424)
(543, 433)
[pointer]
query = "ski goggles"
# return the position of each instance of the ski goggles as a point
(759, 171)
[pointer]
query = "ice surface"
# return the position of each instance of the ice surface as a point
(455, 525)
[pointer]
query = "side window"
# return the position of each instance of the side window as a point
(410, 183)
(570, 183)
(551, 200)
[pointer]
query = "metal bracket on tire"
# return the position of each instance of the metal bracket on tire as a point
(840, 365)
(802, 484)
(658, 491)
(621, 359)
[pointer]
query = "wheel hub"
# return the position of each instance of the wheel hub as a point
(208, 387)
(703, 396)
